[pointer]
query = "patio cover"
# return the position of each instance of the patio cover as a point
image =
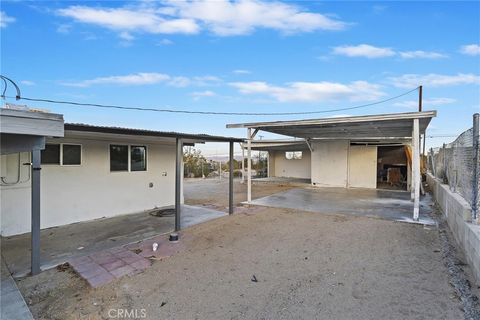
(370, 127)
(26, 130)
(23, 130)
(180, 139)
(393, 128)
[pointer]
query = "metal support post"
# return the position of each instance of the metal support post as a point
(230, 181)
(178, 182)
(249, 165)
(35, 234)
(416, 169)
(476, 169)
(243, 163)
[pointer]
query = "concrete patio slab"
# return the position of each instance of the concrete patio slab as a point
(61, 244)
(192, 215)
(383, 204)
(12, 304)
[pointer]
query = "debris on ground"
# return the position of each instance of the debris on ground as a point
(63, 267)
(254, 279)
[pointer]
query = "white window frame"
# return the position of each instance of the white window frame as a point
(61, 154)
(129, 157)
(293, 155)
(60, 162)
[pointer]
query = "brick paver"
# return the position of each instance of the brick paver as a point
(102, 267)
(105, 266)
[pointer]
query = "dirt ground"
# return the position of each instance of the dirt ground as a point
(307, 266)
(214, 192)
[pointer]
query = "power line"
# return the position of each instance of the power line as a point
(211, 112)
(112, 106)
(442, 136)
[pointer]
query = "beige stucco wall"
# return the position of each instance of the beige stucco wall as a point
(15, 199)
(89, 191)
(282, 167)
(271, 163)
(362, 167)
(329, 163)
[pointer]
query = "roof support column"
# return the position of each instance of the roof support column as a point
(35, 234)
(243, 163)
(416, 168)
(178, 182)
(230, 181)
(249, 165)
(268, 164)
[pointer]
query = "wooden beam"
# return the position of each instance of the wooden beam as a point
(254, 134)
(309, 145)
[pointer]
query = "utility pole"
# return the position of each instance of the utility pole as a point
(420, 98)
(424, 138)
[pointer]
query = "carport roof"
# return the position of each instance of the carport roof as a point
(190, 137)
(382, 126)
(279, 145)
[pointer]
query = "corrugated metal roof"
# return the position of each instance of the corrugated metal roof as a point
(378, 127)
(144, 132)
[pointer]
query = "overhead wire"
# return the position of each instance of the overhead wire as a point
(184, 111)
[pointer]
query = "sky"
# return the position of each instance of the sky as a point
(244, 56)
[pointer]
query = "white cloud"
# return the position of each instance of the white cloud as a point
(421, 54)
(241, 71)
(363, 50)
(142, 78)
(470, 49)
(5, 20)
(206, 81)
(164, 42)
(126, 36)
(413, 104)
(179, 82)
(123, 19)
(222, 17)
(313, 91)
(147, 78)
(27, 83)
(371, 52)
(201, 94)
(226, 18)
(434, 80)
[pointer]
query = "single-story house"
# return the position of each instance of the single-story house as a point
(89, 172)
(358, 151)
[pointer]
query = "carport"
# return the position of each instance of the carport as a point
(25, 131)
(342, 136)
(28, 131)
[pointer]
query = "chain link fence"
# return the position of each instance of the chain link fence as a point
(458, 165)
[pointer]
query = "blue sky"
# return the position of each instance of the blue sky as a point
(247, 56)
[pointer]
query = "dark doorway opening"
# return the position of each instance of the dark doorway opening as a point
(392, 168)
